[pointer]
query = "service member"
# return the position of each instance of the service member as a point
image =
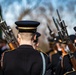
(48, 65)
(24, 60)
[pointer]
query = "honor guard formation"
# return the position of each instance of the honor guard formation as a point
(22, 55)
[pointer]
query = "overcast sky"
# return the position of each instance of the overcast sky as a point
(11, 10)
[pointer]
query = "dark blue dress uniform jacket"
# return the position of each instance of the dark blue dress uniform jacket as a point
(22, 61)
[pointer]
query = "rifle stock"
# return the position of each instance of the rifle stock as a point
(73, 61)
(71, 47)
(12, 45)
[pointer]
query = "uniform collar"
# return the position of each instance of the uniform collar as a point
(25, 46)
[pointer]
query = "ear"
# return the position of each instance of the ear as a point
(37, 44)
(34, 37)
(19, 38)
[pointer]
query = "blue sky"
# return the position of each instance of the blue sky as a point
(11, 10)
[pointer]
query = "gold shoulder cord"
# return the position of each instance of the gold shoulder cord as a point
(2, 59)
(40, 50)
(68, 72)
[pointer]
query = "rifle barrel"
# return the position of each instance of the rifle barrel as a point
(58, 15)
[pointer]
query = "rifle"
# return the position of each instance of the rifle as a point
(64, 33)
(51, 32)
(58, 29)
(61, 23)
(9, 35)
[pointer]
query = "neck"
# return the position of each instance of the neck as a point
(26, 42)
